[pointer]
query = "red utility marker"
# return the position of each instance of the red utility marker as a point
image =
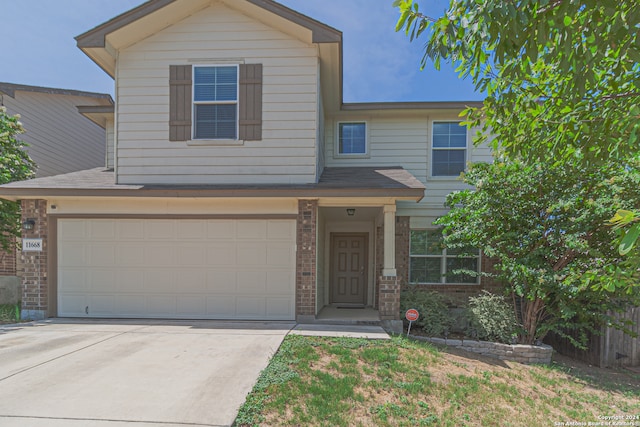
(412, 315)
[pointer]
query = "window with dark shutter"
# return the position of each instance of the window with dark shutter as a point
(180, 102)
(213, 106)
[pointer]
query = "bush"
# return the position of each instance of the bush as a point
(491, 318)
(435, 318)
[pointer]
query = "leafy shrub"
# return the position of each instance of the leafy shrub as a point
(434, 314)
(491, 318)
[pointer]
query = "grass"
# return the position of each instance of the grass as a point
(9, 313)
(400, 382)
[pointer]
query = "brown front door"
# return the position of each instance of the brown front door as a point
(349, 268)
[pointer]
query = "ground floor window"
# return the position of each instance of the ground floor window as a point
(432, 263)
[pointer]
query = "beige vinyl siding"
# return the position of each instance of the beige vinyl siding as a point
(287, 151)
(60, 139)
(110, 144)
(404, 140)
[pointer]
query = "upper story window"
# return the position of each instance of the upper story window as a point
(215, 102)
(448, 149)
(352, 138)
(431, 263)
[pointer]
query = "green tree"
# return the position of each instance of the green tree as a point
(15, 165)
(562, 77)
(546, 228)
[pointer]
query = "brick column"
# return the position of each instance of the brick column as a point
(35, 285)
(389, 297)
(306, 259)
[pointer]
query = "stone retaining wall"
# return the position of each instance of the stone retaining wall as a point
(521, 353)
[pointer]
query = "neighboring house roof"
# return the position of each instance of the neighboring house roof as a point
(10, 89)
(334, 182)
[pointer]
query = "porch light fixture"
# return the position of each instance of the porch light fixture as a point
(28, 224)
(351, 211)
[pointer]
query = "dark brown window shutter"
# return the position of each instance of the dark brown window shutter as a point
(179, 102)
(250, 102)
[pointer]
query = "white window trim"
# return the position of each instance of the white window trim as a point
(214, 141)
(466, 153)
(443, 265)
(336, 150)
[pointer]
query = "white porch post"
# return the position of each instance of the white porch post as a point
(389, 268)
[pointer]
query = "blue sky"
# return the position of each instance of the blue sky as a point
(379, 64)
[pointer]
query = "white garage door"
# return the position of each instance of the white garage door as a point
(182, 269)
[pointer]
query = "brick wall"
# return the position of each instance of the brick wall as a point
(389, 305)
(306, 257)
(35, 288)
(8, 260)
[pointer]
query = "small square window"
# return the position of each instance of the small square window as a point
(352, 138)
(448, 149)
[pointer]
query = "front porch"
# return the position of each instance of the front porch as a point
(357, 276)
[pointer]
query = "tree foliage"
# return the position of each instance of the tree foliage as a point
(15, 165)
(546, 228)
(562, 76)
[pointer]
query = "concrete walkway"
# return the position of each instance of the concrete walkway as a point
(351, 331)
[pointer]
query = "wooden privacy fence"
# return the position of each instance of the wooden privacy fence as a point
(612, 348)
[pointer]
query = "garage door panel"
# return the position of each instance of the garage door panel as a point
(222, 282)
(72, 305)
(253, 230)
(192, 255)
(252, 253)
(222, 254)
(161, 305)
(103, 281)
(221, 307)
(221, 229)
(251, 307)
(191, 281)
(159, 229)
(130, 281)
(278, 282)
(102, 230)
(101, 305)
(280, 254)
(102, 255)
(279, 307)
(149, 268)
(192, 229)
(72, 254)
(130, 254)
(281, 230)
(252, 282)
(159, 255)
(130, 306)
(129, 229)
(159, 281)
(74, 279)
(189, 306)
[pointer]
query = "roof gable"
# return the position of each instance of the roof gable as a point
(102, 42)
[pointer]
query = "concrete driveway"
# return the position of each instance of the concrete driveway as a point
(142, 373)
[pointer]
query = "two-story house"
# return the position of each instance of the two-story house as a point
(60, 140)
(240, 185)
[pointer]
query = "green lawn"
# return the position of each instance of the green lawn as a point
(401, 382)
